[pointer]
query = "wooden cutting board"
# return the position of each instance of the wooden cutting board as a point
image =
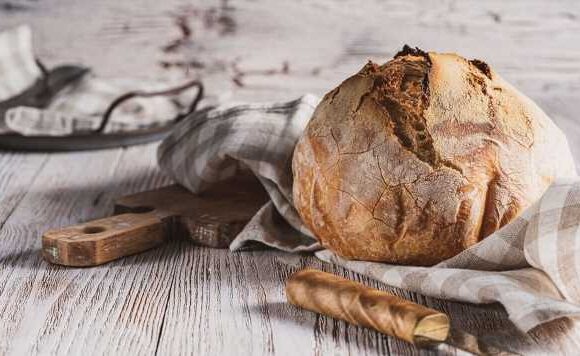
(146, 220)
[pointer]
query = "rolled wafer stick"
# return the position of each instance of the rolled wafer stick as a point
(355, 303)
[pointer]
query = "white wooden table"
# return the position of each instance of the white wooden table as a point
(183, 299)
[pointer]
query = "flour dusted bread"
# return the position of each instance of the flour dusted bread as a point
(412, 161)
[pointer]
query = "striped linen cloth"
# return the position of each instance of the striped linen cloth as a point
(78, 107)
(531, 266)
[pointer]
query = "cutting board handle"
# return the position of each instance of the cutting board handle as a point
(103, 240)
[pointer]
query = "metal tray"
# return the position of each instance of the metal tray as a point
(82, 142)
(41, 93)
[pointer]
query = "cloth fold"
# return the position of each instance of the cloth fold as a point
(531, 266)
(215, 144)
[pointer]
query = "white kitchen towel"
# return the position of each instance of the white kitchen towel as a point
(531, 266)
(81, 105)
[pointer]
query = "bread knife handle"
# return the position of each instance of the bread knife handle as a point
(355, 303)
(103, 240)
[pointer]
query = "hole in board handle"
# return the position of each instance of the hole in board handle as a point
(93, 229)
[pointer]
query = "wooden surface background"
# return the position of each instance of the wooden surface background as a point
(183, 299)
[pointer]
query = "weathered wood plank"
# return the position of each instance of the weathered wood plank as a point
(185, 299)
(537, 49)
(193, 299)
(234, 303)
(228, 304)
(51, 309)
(17, 172)
(19, 236)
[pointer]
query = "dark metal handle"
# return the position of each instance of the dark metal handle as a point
(143, 94)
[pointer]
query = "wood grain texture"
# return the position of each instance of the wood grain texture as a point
(183, 299)
(39, 301)
(251, 50)
(103, 240)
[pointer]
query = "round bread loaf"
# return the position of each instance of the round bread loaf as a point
(413, 161)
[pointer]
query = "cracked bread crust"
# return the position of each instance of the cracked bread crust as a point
(412, 161)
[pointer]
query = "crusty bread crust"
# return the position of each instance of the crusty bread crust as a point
(415, 160)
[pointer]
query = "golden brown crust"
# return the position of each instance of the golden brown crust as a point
(413, 161)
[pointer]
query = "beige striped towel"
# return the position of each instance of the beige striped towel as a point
(531, 266)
